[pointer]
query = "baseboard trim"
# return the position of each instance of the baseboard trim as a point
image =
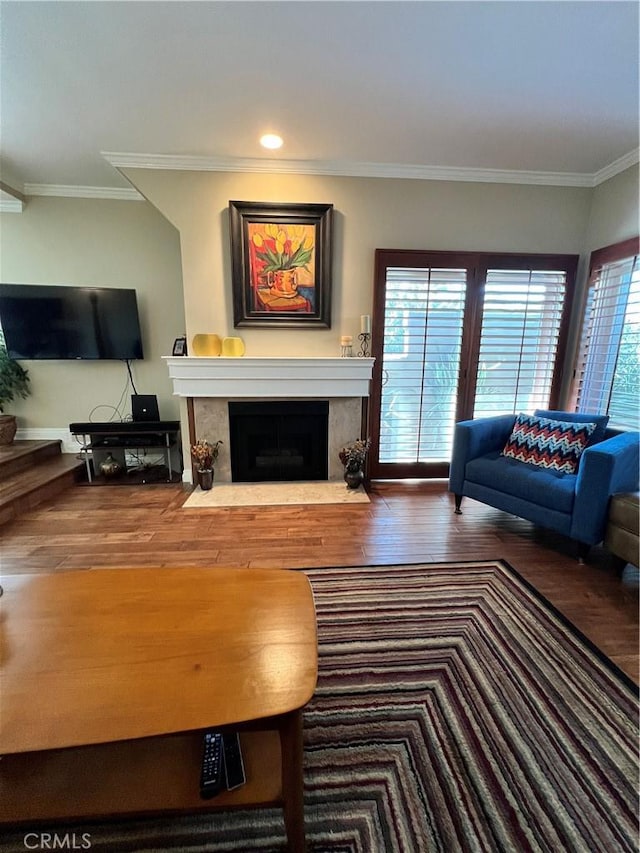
(69, 443)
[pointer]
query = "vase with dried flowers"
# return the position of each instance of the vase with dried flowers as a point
(204, 455)
(353, 456)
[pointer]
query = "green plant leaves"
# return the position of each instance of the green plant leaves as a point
(14, 379)
(275, 261)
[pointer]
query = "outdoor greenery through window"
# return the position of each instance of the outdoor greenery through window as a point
(607, 376)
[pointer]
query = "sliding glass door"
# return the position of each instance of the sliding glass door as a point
(460, 335)
(421, 347)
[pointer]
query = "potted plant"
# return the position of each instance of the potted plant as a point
(204, 455)
(353, 457)
(14, 382)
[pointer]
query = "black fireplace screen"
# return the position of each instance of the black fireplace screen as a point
(279, 440)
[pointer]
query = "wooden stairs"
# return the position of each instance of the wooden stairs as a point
(32, 472)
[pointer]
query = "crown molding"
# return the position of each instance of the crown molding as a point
(616, 167)
(70, 191)
(11, 199)
(11, 205)
(176, 162)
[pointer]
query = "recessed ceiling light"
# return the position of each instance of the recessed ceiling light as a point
(271, 140)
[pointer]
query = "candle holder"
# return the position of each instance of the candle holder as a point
(364, 338)
(346, 346)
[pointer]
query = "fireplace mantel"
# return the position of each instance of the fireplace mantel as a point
(284, 377)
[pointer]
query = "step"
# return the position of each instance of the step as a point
(23, 490)
(20, 455)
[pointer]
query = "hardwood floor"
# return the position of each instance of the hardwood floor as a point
(95, 527)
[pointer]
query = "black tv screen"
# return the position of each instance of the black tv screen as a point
(58, 322)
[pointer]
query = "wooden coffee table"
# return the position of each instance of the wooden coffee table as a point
(109, 676)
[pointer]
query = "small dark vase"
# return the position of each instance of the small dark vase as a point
(353, 478)
(110, 467)
(205, 478)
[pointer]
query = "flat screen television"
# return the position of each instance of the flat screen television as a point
(59, 322)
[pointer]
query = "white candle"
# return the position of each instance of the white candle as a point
(346, 340)
(365, 324)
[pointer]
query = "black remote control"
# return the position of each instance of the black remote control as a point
(211, 776)
(233, 765)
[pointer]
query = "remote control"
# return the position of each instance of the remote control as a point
(211, 777)
(233, 765)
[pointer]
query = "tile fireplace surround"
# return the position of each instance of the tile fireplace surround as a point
(208, 384)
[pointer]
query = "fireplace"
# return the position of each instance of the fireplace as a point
(208, 386)
(278, 440)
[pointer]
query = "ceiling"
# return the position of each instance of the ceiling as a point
(387, 88)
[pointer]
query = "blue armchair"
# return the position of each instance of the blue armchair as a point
(575, 505)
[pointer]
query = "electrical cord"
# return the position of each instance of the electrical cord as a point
(117, 409)
(133, 385)
(114, 411)
(146, 459)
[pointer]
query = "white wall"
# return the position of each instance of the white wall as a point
(614, 210)
(100, 243)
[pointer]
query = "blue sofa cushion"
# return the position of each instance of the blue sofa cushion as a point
(547, 443)
(541, 486)
(600, 421)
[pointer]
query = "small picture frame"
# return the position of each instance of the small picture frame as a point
(180, 346)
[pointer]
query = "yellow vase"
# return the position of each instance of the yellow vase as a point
(232, 347)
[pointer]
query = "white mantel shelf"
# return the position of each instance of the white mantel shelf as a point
(287, 377)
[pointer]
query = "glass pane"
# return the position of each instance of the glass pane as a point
(624, 404)
(519, 338)
(424, 315)
(608, 365)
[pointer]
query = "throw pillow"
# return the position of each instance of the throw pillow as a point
(600, 421)
(548, 443)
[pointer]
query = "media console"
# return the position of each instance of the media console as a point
(132, 444)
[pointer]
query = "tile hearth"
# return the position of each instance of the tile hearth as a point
(274, 494)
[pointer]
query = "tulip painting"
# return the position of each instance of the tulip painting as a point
(275, 249)
(282, 247)
(280, 263)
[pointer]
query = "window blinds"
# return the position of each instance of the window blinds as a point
(460, 335)
(423, 321)
(521, 321)
(607, 371)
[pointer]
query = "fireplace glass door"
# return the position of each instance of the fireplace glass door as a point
(279, 440)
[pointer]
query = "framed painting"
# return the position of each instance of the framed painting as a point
(281, 264)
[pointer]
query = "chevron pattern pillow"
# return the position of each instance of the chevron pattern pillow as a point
(557, 445)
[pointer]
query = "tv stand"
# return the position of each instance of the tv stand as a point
(127, 442)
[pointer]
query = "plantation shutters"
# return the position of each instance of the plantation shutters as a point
(459, 335)
(607, 376)
(420, 356)
(521, 319)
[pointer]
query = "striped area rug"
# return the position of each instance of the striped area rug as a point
(455, 711)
